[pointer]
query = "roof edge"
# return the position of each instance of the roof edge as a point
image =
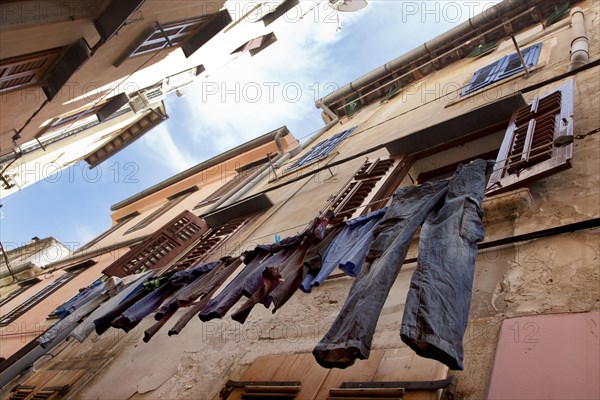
(218, 159)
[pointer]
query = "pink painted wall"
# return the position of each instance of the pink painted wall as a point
(548, 357)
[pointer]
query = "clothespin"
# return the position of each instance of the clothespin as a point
(416, 182)
(277, 238)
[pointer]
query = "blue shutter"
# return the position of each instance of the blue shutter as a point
(511, 64)
(321, 149)
(503, 68)
(482, 78)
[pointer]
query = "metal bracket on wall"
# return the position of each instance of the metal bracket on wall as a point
(257, 389)
(448, 385)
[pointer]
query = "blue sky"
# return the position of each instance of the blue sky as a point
(235, 103)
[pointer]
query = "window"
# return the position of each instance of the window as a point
(538, 141)
(189, 34)
(160, 248)
(215, 237)
(256, 45)
(168, 35)
(172, 202)
(37, 298)
(372, 183)
(503, 68)
(25, 70)
(94, 114)
(321, 150)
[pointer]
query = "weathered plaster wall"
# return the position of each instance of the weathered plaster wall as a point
(556, 274)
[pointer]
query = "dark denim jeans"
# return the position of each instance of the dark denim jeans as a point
(439, 297)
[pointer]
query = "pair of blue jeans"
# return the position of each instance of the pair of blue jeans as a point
(437, 305)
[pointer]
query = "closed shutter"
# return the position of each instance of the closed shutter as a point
(37, 298)
(321, 149)
(503, 68)
(538, 141)
(161, 248)
(348, 201)
(25, 70)
(512, 64)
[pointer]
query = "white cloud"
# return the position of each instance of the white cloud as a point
(252, 95)
(159, 146)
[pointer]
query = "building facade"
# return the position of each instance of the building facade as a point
(518, 85)
(80, 80)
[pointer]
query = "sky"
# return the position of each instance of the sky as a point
(235, 103)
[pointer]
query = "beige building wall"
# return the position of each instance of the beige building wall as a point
(554, 274)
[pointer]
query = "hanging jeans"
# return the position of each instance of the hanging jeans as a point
(439, 297)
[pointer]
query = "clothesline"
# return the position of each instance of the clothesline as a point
(373, 202)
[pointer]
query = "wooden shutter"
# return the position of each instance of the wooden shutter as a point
(209, 242)
(115, 16)
(482, 78)
(37, 298)
(321, 149)
(283, 8)
(25, 70)
(538, 141)
(503, 68)
(161, 248)
(512, 64)
(73, 58)
(367, 186)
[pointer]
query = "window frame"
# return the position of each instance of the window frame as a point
(372, 184)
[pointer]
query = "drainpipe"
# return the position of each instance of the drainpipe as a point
(250, 183)
(579, 45)
(455, 35)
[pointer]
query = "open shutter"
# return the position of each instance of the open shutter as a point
(213, 238)
(283, 8)
(73, 58)
(347, 202)
(25, 70)
(218, 21)
(538, 141)
(115, 16)
(160, 248)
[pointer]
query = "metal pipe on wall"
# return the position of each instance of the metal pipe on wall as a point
(580, 55)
